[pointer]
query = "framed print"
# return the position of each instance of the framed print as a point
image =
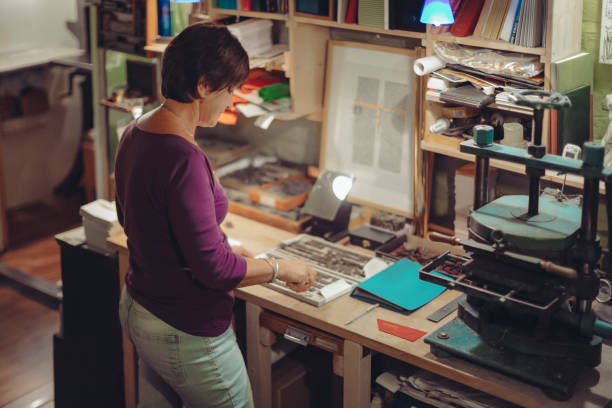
(369, 123)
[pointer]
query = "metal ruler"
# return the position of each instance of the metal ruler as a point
(445, 310)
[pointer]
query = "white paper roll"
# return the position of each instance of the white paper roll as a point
(424, 66)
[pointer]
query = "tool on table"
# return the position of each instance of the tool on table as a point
(445, 310)
(530, 270)
(365, 312)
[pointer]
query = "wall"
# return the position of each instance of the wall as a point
(591, 28)
(30, 23)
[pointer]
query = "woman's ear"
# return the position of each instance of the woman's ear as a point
(202, 90)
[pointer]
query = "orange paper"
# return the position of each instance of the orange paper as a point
(398, 330)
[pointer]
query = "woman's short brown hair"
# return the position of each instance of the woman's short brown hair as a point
(202, 52)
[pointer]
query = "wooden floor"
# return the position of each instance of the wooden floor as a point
(27, 320)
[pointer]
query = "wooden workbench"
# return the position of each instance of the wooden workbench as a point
(360, 337)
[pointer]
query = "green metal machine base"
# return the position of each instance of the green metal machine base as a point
(547, 235)
(556, 377)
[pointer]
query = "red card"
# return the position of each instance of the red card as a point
(398, 330)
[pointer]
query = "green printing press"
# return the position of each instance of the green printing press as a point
(530, 270)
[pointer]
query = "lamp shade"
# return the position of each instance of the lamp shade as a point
(186, 1)
(437, 12)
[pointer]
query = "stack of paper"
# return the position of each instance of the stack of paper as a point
(100, 222)
(255, 35)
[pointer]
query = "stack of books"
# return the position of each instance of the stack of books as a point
(100, 222)
(520, 22)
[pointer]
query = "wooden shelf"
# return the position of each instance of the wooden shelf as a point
(449, 146)
(493, 44)
(215, 12)
(275, 62)
(357, 27)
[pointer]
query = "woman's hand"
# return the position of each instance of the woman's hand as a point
(242, 251)
(297, 274)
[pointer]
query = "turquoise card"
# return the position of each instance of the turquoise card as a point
(399, 288)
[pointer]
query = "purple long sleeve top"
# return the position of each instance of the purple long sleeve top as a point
(182, 268)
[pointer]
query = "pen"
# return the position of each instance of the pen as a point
(368, 310)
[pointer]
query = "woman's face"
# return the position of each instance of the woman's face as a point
(212, 105)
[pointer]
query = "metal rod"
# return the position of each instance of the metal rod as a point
(537, 126)
(589, 209)
(481, 182)
(534, 195)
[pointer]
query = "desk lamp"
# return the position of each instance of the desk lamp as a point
(328, 206)
(437, 12)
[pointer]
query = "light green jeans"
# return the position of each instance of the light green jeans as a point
(178, 369)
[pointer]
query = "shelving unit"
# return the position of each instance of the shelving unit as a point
(305, 58)
(563, 37)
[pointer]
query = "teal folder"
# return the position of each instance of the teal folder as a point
(398, 287)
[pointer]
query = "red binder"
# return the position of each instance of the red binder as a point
(466, 18)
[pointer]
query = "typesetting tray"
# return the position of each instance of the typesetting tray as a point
(332, 263)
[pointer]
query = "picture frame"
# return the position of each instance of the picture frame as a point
(371, 122)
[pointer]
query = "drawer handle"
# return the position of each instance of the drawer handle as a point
(298, 336)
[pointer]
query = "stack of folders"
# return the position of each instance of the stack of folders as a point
(466, 95)
(100, 222)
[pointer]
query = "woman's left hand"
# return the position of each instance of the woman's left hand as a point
(240, 250)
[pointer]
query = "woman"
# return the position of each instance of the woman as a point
(178, 304)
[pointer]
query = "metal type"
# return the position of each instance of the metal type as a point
(331, 262)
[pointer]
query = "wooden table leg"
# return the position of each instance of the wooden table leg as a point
(259, 364)
(357, 372)
(130, 358)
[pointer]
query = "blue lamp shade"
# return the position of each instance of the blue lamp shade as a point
(437, 12)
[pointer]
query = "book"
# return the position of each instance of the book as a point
(506, 30)
(351, 12)
(494, 23)
(398, 287)
(482, 19)
(466, 18)
(516, 21)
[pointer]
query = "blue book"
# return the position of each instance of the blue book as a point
(399, 288)
(516, 21)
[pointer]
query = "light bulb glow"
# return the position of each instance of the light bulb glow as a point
(341, 186)
(437, 12)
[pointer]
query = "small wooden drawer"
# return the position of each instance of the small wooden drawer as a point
(318, 338)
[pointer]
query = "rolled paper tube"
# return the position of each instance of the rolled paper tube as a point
(427, 65)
